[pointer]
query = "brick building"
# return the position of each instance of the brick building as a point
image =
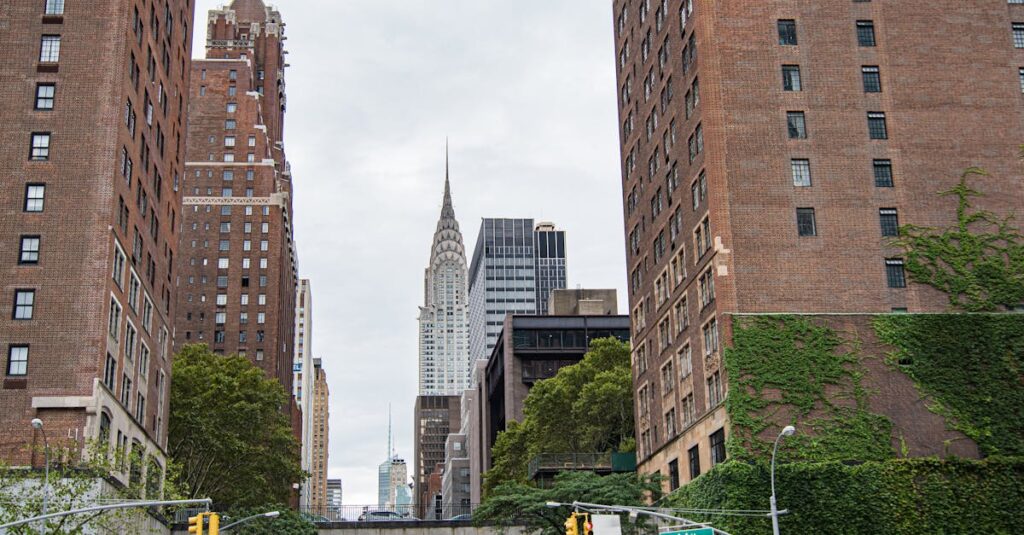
(434, 418)
(92, 102)
(771, 149)
(237, 270)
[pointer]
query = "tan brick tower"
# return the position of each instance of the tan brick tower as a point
(769, 151)
(92, 106)
(238, 276)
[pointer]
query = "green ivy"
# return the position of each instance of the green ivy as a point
(978, 262)
(896, 497)
(971, 367)
(789, 369)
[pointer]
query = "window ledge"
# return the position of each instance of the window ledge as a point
(47, 67)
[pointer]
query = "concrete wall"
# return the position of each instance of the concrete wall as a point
(404, 528)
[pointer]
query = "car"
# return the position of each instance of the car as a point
(378, 516)
(462, 518)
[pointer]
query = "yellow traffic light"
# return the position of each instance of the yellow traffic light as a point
(588, 528)
(195, 524)
(572, 526)
(214, 527)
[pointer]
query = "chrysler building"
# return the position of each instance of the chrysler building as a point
(444, 316)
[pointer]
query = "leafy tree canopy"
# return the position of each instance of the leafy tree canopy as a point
(584, 408)
(514, 503)
(290, 522)
(228, 435)
(978, 262)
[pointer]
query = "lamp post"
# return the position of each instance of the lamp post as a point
(271, 514)
(38, 424)
(786, 432)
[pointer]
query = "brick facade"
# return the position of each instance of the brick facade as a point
(98, 340)
(703, 116)
(237, 268)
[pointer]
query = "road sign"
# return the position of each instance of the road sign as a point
(607, 524)
(698, 531)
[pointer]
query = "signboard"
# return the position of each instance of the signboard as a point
(697, 531)
(606, 524)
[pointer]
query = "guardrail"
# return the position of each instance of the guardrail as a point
(363, 513)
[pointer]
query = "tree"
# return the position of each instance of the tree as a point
(978, 262)
(290, 522)
(514, 503)
(584, 408)
(228, 435)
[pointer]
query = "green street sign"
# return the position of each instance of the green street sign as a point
(698, 531)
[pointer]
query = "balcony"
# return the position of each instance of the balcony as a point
(543, 468)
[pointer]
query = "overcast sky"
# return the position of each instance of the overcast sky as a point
(524, 90)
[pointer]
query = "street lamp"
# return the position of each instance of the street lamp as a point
(271, 514)
(38, 424)
(786, 432)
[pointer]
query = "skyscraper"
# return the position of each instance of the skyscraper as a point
(304, 382)
(770, 151)
(515, 266)
(319, 439)
(92, 159)
(334, 499)
(238, 276)
(444, 316)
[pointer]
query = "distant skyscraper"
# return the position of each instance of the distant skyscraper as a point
(334, 499)
(319, 437)
(384, 473)
(302, 381)
(444, 317)
(514, 269)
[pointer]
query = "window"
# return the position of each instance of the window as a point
(222, 300)
(232, 106)
(54, 7)
(40, 146)
(876, 125)
(1020, 73)
(787, 32)
(801, 172)
(791, 78)
(866, 33)
(714, 389)
(34, 196)
(29, 253)
(133, 291)
(805, 225)
(685, 362)
(710, 332)
(1018, 35)
(49, 49)
(119, 261)
(890, 222)
(114, 327)
(110, 372)
(232, 74)
(229, 141)
(718, 446)
(694, 455)
(796, 125)
(24, 303)
(221, 318)
(44, 96)
(872, 79)
(130, 337)
(126, 390)
(883, 173)
(894, 273)
(17, 360)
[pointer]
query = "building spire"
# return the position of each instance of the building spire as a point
(447, 211)
(391, 453)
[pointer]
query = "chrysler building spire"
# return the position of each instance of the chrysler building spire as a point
(444, 316)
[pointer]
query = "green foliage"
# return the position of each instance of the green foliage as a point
(978, 262)
(227, 433)
(289, 523)
(75, 481)
(585, 408)
(970, 366)
(518, 504)
(895, 497)
(789, 369)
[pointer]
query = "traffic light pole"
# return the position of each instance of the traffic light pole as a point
(125, 505)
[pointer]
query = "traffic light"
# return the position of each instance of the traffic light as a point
(572, 526)
(195, 524)
(588, 528)
(214, 527)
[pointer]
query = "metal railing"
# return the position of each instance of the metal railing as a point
(558, 462)
(364, 513)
